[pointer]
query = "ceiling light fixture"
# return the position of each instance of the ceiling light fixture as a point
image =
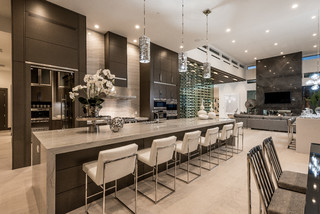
(281, 52)
(314, 34)
(97, 26)
(135, 41)
(206, 65)
(233, 41)
(267, 31)
(313, 17)
(228, 30)
(275, 44)
(315, 78)
(255, 58)
(294, 6)
(246, 51)
(182, 56)
(144, 41)
(137, 26)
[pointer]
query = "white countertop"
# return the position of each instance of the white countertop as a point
(67, 140)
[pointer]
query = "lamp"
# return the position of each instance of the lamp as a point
(206, 65)
(182, 56)
(315, 78)
(144, 41)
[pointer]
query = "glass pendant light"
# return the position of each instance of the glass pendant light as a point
(182, 56)
(206, 65)
(315, 78)
(144, 41)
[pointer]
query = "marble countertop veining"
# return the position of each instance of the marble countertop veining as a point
(67, 140)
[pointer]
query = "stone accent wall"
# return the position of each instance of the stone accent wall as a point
(280, 74)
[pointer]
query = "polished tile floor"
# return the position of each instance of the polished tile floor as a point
(222, 190)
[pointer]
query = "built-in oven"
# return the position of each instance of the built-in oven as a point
(40, 117)
(172, 104)
(159, 115)
(159, 104)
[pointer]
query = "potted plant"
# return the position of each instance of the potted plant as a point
(97, 86)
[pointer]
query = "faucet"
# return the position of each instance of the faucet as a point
(158, 117)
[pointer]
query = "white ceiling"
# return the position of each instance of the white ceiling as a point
(291, 28)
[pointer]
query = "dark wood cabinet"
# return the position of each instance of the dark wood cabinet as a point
(47, 34)
(116, 57)
(161, 76)
(41, 94)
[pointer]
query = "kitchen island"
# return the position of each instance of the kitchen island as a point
(307, 132)
(58, 181)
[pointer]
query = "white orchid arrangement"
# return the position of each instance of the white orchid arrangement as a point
(97, 85)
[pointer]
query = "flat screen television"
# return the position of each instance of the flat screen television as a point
(277, 97)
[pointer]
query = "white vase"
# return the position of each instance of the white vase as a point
(211, 114)
(202, 111)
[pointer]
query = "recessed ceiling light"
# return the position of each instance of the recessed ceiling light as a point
(281, 52)
(181, 46)
(137, 26)
(255, 58)
(314, 34)
(246, 51)
(233, 41)
(226, 76)
(315, 46)
(275, 44)
(97, 26)
(313, 17)
(135, 41)
(294, 6)
(267, 31)
(228, 30)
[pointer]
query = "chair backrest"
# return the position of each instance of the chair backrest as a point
(226, 132)
(261, 174)
(118, 162)
(238, 129)
(162, 150)
(191, 141)
(211, 136)
(269, 148)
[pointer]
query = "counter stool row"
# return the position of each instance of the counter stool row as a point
(114, 164)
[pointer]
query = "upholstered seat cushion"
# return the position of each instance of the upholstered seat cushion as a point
(202, 140)
(179, 146)
(144, 156)
(90, 169)
(293, 181)
(285, 202)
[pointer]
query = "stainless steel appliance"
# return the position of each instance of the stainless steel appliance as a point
(159, 104)
(172, 106)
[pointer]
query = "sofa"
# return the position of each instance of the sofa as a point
(264, 122)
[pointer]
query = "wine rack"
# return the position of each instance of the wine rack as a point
(193, 88)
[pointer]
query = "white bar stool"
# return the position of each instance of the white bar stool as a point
(208, 141)
(225, 136)
(237, 132)
(161, 151)
(112, 164)
(190, 143)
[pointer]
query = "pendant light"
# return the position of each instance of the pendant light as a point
(144, 41)
(315, 78)
(182, 56)
(206, 65)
